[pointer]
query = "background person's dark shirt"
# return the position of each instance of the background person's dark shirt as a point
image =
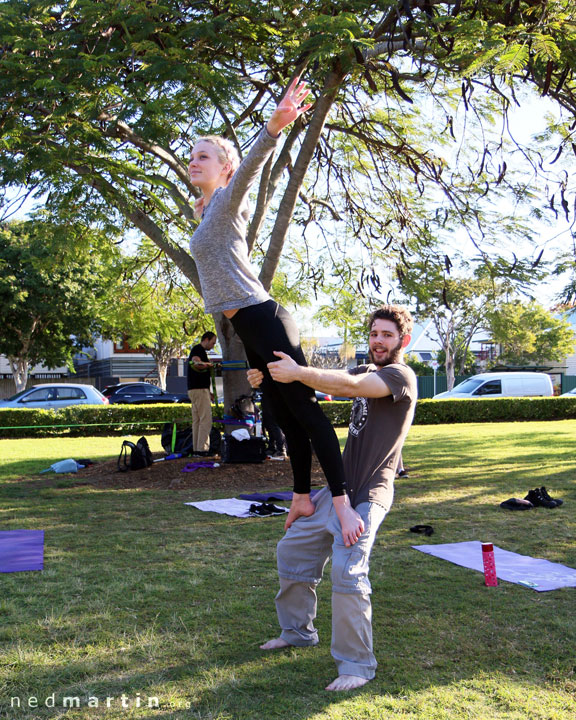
(198, 379)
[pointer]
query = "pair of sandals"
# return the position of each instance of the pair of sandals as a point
(265, 510)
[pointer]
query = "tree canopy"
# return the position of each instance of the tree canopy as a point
(458, 306)
(53, 281)
(155, 307)
(528, 334)
(99, 102)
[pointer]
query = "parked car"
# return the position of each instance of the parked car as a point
(501, 384)
(570, 393)
(53, 396)
(140, 393)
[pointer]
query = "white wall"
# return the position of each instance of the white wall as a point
(5, 368)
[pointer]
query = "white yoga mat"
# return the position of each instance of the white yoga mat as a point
(226, 506)
(536, 573)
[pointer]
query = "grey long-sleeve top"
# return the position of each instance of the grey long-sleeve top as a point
(219, 243)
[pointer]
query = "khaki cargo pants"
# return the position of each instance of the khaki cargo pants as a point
(302, 555)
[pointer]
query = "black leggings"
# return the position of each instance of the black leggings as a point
(264, 328)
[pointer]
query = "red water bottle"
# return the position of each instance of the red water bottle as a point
(489, 565)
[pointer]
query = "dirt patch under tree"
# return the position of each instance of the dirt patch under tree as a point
(170, 475)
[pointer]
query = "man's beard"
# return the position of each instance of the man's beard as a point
(393, 356)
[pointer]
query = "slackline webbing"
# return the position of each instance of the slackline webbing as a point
(107, 424)
(234, 365)
(126, 422)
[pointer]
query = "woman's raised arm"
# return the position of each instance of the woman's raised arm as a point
(289, 108)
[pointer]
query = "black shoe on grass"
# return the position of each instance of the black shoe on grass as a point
(265, 510)
(547, 497)
(538, 500)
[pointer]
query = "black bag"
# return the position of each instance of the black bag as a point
(183, 442)
(140, 455)
(252, 450)
(215, 441)
(242, 408)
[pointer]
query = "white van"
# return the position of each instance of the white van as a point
(501, 384)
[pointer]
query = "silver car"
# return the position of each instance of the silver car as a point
(53, 396)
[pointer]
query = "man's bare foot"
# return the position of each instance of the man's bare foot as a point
(301, 505)
(347, 682)
(275, 644)
(352, 524)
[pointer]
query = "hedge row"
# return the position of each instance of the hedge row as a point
(121, 419)
(80, 420)
(437, 412)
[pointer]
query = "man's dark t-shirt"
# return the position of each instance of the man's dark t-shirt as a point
(198, 379)
(378, 428)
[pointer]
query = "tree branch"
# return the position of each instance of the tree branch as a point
(142, 221)
(166, 156)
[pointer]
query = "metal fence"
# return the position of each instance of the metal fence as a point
(426, 385)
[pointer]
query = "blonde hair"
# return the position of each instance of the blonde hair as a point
(226, 150)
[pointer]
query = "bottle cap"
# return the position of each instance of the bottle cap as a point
(487, 547)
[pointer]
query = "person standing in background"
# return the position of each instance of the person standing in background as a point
(199, 392)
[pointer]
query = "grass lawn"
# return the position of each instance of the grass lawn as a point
(143, 597)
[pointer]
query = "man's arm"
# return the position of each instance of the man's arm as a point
(334, 382)
(199, 363)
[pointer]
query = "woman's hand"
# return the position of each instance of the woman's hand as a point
(289, 108)
(198, 207)
(255, 377)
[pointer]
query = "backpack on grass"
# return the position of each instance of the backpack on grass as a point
(140, 456)
(181, 441)
(177, 441)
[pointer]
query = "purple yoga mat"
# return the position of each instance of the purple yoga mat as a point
(267, 497)
(21, 550)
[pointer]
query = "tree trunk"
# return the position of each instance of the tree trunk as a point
(19, 367)
(449, 364)
(234, 381)
(161, 369)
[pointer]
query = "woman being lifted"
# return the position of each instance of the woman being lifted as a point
(230, 286)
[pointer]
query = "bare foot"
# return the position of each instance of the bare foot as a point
(347, 682)
(301, 505)
(352, 524)
(275, 644)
